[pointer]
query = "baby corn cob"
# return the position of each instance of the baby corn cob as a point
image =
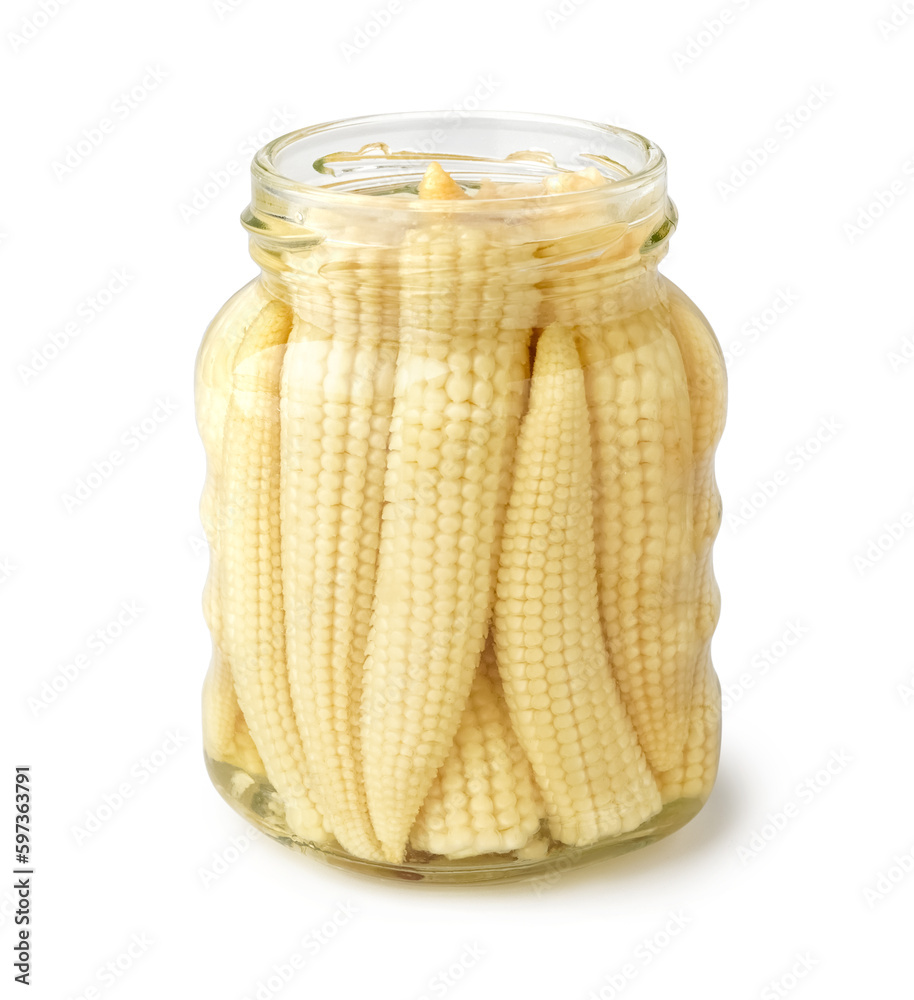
(226, 736)
(213, 386)
(693, 776)
(563, 702)
(707, 380)
(458, 392)
(250, 584)
(485, 798)
(337, 392)
(639, 410)
(225, 732)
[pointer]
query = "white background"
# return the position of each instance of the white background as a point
(796, 229)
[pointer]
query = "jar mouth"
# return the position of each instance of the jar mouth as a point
(352, 161)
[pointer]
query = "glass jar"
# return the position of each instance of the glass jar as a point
(460, 502)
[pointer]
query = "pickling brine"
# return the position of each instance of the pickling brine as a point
(460, 503)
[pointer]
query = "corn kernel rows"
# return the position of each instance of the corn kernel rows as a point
(642, 451)
(456, 400)
(694, 775)
(226, 736)
(250, 582)
(560, 691)
(353, 564)
(484, 798)
(336, 408)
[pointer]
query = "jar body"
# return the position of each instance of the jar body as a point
(461, 503)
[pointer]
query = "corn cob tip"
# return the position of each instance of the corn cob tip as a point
(555, 672)
(556, 352)
(438, 185)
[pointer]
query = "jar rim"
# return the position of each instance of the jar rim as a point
(273, 177)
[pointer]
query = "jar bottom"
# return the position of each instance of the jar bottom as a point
(254, 798)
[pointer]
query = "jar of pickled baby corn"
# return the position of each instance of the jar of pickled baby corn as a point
(460, 502)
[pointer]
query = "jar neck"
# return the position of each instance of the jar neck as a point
(581, 205)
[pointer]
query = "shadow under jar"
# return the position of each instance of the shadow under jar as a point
(460, 502)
